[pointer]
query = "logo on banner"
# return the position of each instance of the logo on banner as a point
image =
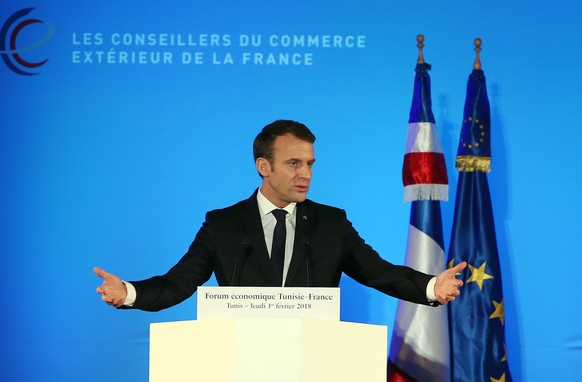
(18, 28)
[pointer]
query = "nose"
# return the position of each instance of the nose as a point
(305, 172)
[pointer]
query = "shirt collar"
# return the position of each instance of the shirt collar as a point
(265, 205)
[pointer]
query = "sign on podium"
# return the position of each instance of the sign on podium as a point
(241, 346)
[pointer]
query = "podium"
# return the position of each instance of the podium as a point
(257, 349)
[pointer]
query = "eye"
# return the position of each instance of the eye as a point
(293, 163)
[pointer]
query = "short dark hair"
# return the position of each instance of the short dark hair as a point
(264, 142)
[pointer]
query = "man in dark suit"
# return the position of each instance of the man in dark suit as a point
(277, 237)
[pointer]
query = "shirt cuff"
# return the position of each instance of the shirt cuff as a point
(131, 294)
(429, 290)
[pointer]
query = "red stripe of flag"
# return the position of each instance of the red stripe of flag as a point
(396, 374)
(424, 168)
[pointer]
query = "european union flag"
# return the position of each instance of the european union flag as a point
(476, 318)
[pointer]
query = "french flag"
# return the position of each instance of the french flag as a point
(424, 173)
(419, 347)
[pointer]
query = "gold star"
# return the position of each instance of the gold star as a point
(478, 275)
(499, 311)
(451, 263)
(501, 379)
(505, 355)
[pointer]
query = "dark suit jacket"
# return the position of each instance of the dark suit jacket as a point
(325, 245)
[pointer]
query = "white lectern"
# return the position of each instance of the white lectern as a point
(267, 349)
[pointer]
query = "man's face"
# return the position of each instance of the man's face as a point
(288, 177)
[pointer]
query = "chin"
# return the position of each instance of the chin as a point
(300, 198)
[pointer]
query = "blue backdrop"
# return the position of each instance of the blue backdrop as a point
(142, 120)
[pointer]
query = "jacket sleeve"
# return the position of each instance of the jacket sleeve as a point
(182, 280)
(364, 264)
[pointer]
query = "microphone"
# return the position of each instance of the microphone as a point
(308, 249)
(245, 245)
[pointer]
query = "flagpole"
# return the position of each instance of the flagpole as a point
(420, 45)
(477, 63)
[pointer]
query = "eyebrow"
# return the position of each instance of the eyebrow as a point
(300, 160)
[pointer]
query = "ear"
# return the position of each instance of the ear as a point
(263, 167)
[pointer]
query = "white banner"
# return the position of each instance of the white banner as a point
(268, 302)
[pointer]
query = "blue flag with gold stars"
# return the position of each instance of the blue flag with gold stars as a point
(476, 318)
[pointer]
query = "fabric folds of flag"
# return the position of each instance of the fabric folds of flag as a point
(477, 321)
(419, 348)
(424, 172)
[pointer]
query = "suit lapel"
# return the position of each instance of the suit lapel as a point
(304, 223)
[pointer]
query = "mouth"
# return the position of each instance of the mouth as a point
(302, 188)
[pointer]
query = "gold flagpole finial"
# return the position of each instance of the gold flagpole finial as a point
(420, 45)
(477, 63)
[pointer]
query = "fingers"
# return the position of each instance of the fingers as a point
(456, 282)
(456, 271)
(452, 286)
(100, 272)
(112, 290)
(451, 296)
(459, 267)
(446, 300)
(106, 298)
(111, 301)
(448, 285)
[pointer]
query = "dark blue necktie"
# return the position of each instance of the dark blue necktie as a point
(278, 248)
